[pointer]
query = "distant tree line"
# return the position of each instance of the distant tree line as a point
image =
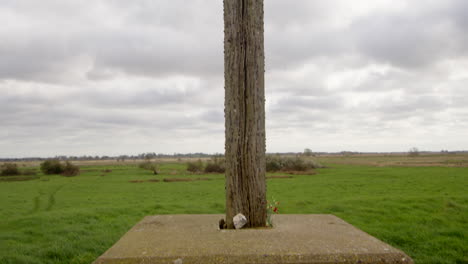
(153, 155)
(148, 155)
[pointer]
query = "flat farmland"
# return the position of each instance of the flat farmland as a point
(418, 204)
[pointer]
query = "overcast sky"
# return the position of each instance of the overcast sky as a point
(112, 77)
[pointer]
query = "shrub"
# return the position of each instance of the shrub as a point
(278, 163)
(70, 170)
(148, 165)
(273, 164)
(55, 167)
(296, 164)
(216, 165)
(212, 167)
(9, 169)
(195, 167)
(52, 167)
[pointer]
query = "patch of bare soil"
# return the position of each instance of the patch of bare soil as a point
(136, 181)
(154, 180)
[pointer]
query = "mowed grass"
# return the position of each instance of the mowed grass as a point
(421, 210)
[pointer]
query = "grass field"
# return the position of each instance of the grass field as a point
(55, 219)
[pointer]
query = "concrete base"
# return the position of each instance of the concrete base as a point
(295, 239)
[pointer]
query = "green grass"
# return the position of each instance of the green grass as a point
(54, 219)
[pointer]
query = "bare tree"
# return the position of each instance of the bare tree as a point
(244, 63)
(413, 152)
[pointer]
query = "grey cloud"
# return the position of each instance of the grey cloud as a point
(282, 82)
(289, 49)
(159, 55)
(302, 32)
(47, 46)
(213, 116)
(411, 82)
(458, 99)
(304, 120)
(135, 98)
(157, 38)
(176, 14)
(32, 58)
(410, 38)
(457, 9)
(411, 105)
(72, 120)
(282, 14)
(309, 102)
(147, 108)
(292, 108)
(163, 38)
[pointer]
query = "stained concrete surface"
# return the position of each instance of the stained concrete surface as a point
(294, 239)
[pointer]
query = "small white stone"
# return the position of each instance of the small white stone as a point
(239, 221)
(178, 261)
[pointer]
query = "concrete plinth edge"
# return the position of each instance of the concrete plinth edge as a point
(294, 239)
